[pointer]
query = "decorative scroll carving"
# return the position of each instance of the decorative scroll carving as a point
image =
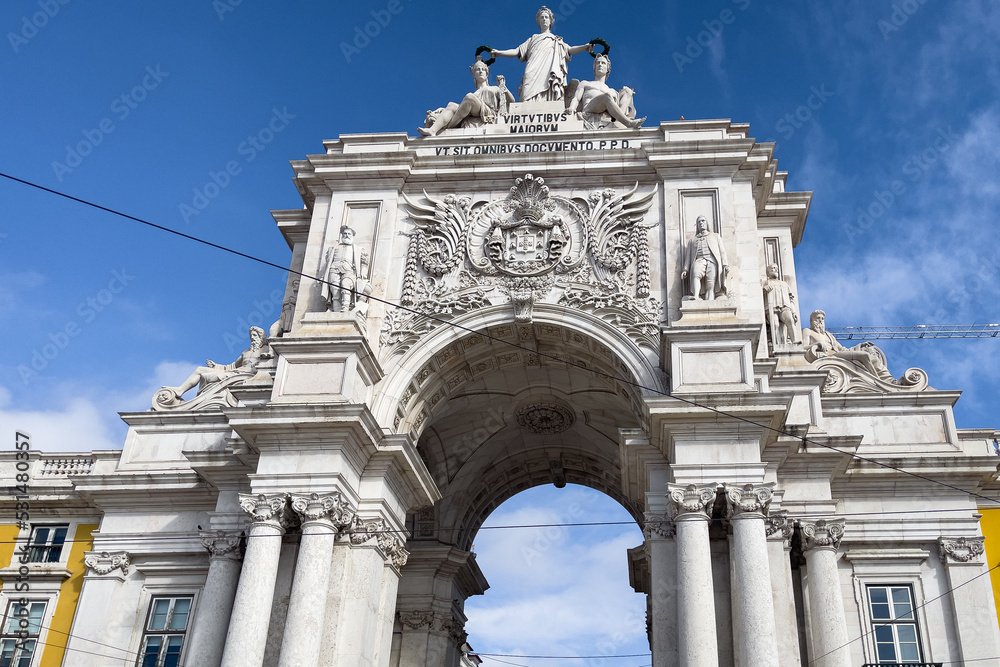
(748, 499)
(962, 549)
(455, 630)
(330, 507)
(544, 417)
(658, 527)
(107, 562)
(591, 254)
(214, 380)
(222, 544)
(367, 530)
(269, 508)
(778, 523)
(416, 620)
(823, 534)
(691, 500)
(858, 369)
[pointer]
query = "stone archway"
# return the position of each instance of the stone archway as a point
(493, 415)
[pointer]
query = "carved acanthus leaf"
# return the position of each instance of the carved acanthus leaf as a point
(265, 508)
(691, 499)
(378, 530)
(221, 544)
(332, 507)
(962, 549)
(822, 534)
(748, 499)
(778, 523)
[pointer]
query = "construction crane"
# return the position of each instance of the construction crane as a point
(919, 331)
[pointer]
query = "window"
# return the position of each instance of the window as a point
(46, 543)
(21, 626)
(894, 625)
(165, 628)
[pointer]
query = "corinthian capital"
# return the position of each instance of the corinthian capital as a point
(265, 508)
(691, 500)
(777, 525)
(332, 507)
(749, 500)
(221, 544)
(823, 534)
(962, 549)
(657, 527)
(377, 530)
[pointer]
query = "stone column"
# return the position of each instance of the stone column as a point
(322, 517)
(661, 551)
(374, 545)
(779, 529)
(215, 606)
(754, 640)
(830, 644)
(697, 642)
(971, 598)
(247, 636)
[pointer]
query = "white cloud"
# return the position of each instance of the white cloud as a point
(84, 418)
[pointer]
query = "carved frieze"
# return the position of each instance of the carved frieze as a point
(962, 549)
(822, 534)
(590, 253)
(107, 562)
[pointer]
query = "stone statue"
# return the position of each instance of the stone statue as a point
(210, 375)
(820, 343)
(546, 56)
(344, 289)
(778, 305)
(284, 321)
(598, 103)
(705, 264)
(479, 108)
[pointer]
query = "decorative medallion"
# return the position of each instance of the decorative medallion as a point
(544, 417)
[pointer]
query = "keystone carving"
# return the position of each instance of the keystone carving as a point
(691, 500)
(107, 562)
(962, 549)
(823, 534)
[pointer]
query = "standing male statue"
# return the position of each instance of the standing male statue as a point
(596, 98)
(344, 289)
(546, 56)
(778, 305)
(705, 264)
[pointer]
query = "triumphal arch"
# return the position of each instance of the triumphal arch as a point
(543, 288)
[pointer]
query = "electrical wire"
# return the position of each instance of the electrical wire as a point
(490, 337)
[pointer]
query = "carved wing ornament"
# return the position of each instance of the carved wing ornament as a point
(589, 254)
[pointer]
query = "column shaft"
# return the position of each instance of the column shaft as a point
(304, 622)
(753, 606)
(697, 641)
(215, 607)
(826, 610)
(663, 601)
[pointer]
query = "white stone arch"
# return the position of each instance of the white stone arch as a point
(404, 394)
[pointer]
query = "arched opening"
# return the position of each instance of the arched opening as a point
(557, 588)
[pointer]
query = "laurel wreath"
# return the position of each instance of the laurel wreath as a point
(601, 42)
(487, 49)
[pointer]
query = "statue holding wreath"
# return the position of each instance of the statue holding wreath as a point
(545, 55)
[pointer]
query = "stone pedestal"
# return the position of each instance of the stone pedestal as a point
(755, 644)
(208, 631)
(697, 644)
(830, 644)
(246, 640)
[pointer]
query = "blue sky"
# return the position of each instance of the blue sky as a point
(889, 111)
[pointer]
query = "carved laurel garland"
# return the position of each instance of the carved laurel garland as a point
(464, 255)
